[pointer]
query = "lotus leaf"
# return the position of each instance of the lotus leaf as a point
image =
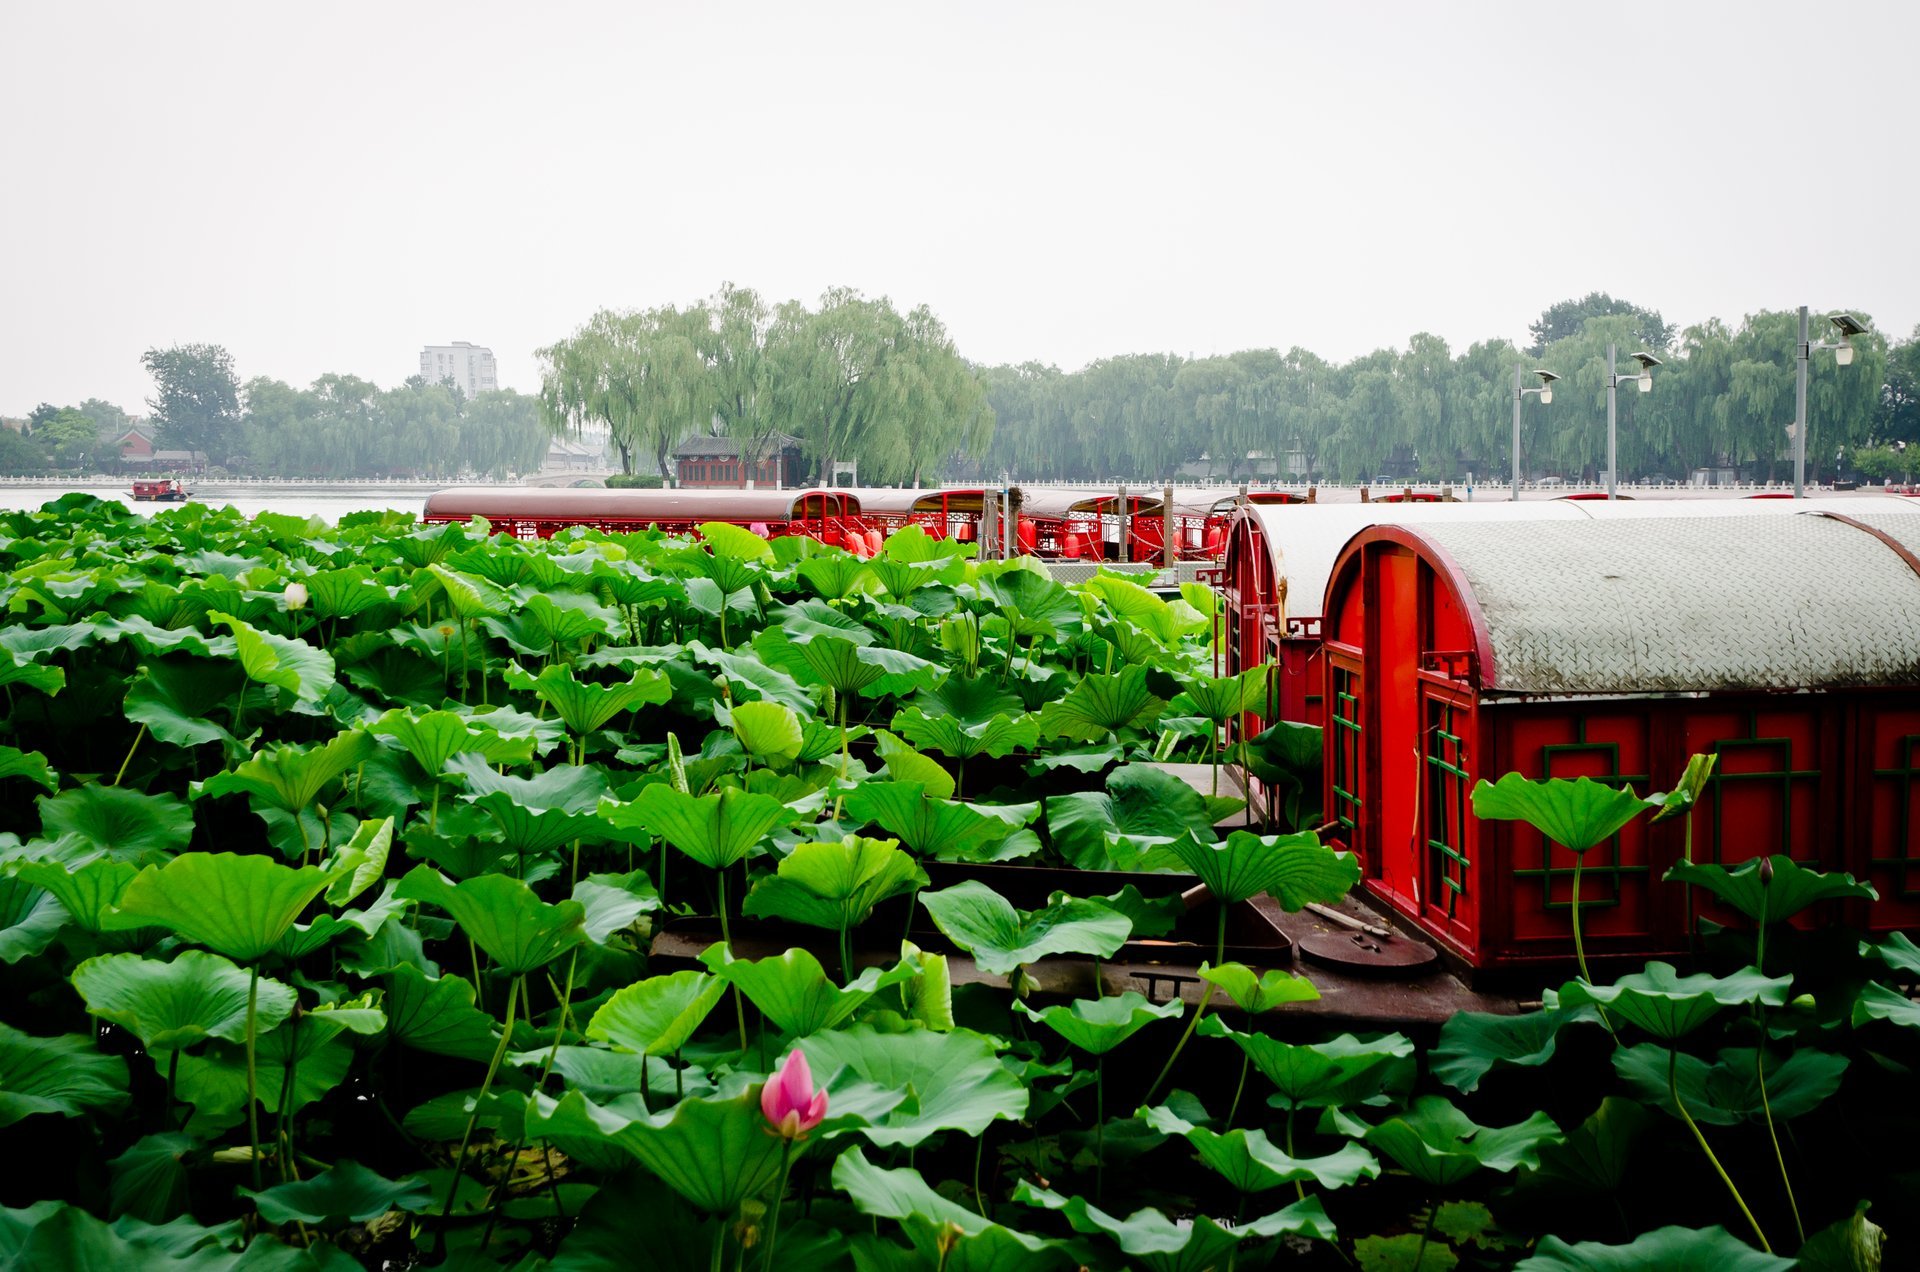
(954, 1081)
(126, 824)
(1100, 706)
(183, 1003)
(1001, 938)
(291, 665)
(1098, 1025)
(63, 1075)
(715, 830)
(345, 1192)
(1255, 992)
(1295, 869)
(518, 930)
(237, 904)
(1253, 1163)
(1340, 1071)
(1440, 1146)
(1152, 1241)
(1727, 1092)
(767, 731)
(586, 707)
(1668, 1005)
(656, 1016)
(1575, 814)
(794, 992)
(1473, 1044)
(1793, 889)
(1661, 1250)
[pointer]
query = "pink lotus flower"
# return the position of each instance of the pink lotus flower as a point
(789, 1100)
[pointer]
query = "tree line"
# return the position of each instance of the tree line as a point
(1724, 396)
(853, 379)
(339, 426)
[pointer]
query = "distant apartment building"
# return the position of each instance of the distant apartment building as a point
(468, 365)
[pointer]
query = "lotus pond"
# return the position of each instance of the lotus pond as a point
(334, 860)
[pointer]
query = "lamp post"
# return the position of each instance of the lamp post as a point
(1645, 376)
(1519, 395)
(1849, 327)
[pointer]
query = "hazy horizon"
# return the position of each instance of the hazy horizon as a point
(330, 191)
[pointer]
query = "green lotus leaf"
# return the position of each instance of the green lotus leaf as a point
(835, 885)
(1156, 1243)
(714, 1153)
(752, 680)
(63, 1075)
(846, 662)
(656, 1016)
(1854, 1244)
(434, 737)
(510, 722)
(1340, 1071)
(834, 575)
(1575, 814)
(1473, 1044)
(1167, 622)
(149, 1180)
(518, 930)
(1001, 938)
(955, 1080)
(1219, 699)
(290, 778)
(1896, 950)
(542, 622)
(1100, 706)
(904, 1195)
(1687, 791)
(1129, 825)
(291, 665)
(1662, 1250)
(1668, 1005)
(470, 597)
(1155, 917)
(1254, 991)
(238, 904)
(614, 902)
(1098, 1025)
(169, 1006)
(361, 861)
(89, 894)
(214, 1079)
(156, 640)
(1593, 1158)
(1295, 869)
(125, 824)
(1793, 889)
(1253, 1163)
(1727, 1092)
(904, 764)
(1439, 1145)
(30, 919)
(437, 1014)
(566, 788)
(933, 827)
(767, 731)
(344, 1192)
(1028, 601)
(344, 593)
(715, 830)
(997, 735)
(48, 680)
(30, 765)
(794, 992)
(586, 707)
(57, 1235)
(175, 700)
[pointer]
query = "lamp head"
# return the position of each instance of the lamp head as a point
(1844, 355)
(1546, 395)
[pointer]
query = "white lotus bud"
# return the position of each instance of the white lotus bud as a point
(296, 596)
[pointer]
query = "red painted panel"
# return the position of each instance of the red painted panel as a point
(1393, 654)
(1888, 809)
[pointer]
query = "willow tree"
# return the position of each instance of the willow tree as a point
(641, 375)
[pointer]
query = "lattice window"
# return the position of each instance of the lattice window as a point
(1906, 865)
(1345, 738)
(1788, 777)
(1445, 804)
(1602, 872)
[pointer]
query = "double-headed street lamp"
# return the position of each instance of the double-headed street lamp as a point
(1849, 327)
(1645, 376)
(1520, 395)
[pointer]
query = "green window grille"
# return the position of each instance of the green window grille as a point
(1788, 777)
(1602, 866)
(1346, 749)
(1905, 864)
(1446, 805)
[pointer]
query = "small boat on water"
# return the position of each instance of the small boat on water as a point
(160, 489)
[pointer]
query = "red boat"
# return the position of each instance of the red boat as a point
(160, 489)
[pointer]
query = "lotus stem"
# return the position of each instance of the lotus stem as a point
(473, 1118)
(1246, 1062)
(1220, 940)
(714, 1264)
(726, 934)
(1579, 950)
(779, 1195)
(1426, 1232)
(979, 1151)
(253, 1089)
(1180, 1046)
(1099, 1127)
(1673, 1089)
(173, 1074)
(1299, 1188)
(130, 750)
(1760, 1072)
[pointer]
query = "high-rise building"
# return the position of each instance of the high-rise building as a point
(468, 365)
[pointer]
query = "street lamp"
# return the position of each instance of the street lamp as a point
(1645, 376)
(1849, 327)
(1519, 395)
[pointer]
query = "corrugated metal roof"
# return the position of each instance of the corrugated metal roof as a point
(1688, 604)
(536, 502)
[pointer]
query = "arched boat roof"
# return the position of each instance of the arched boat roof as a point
(1304, 540)
(1679, 604)
(535, 503)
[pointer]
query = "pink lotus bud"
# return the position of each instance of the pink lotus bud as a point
(789, 1100)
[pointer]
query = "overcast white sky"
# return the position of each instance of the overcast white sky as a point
(328, 187)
